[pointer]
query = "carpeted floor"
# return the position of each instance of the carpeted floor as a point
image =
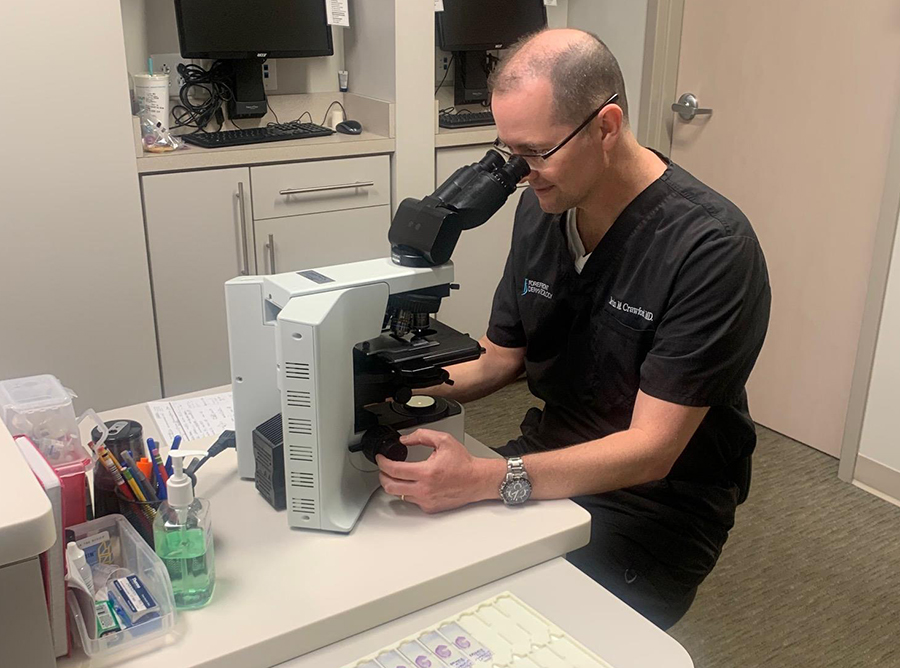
(810, 575)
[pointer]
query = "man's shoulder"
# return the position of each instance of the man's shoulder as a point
(699, 207)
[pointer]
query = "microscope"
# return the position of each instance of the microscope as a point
(326, 361)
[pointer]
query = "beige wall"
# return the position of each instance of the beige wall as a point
(621, 24)
(74, 279)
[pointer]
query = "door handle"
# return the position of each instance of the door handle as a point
(687, 107)
(244, 264)
(320, 189)
(270, 249)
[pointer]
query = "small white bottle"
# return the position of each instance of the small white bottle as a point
(78, 567)
(182, 536)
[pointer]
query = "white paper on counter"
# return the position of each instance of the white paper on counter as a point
(195, 418)
(337, 13)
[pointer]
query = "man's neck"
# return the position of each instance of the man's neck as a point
(632, 169)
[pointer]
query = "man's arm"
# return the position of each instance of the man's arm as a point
(496, 368)
(644, 452)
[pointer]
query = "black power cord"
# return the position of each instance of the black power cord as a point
(449, 64)
(212, 87)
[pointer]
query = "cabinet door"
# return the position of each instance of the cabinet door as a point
(197, 237)
(480, 255)
(322, 239)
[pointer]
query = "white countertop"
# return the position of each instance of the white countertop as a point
(26, 518)
(556, 589)
(446, 138)
(282, 593)
(313, 148)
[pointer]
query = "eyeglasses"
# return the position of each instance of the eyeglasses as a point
(500, 147)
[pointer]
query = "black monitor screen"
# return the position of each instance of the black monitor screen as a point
(251, 28)
(473, 25)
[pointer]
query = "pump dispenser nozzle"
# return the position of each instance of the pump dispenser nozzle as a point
(180, 490)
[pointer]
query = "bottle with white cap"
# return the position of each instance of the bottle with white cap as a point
(182, 533)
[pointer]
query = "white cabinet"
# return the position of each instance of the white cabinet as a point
(318, 240)
(199, 236)
(480, 255)
(313, 214)
(206, 227)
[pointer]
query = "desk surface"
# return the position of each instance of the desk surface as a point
(293, 150)
(556, 589)
(282, 593)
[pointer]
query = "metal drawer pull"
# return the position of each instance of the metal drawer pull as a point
(271, 248)
(245, 256)
(320, 189)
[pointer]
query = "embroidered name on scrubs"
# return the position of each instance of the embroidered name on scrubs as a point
(620, 305)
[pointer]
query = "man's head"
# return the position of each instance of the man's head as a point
(548, 85)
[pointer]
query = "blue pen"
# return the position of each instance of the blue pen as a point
(159, 471)
(175, 443)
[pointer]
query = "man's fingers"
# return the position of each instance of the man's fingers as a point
(427, 437)
(396, 487)
(401, 470)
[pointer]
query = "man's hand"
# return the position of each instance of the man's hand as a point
(449, 478)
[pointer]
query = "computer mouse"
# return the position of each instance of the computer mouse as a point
(349, 127)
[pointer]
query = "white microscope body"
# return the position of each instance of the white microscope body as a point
(338, 351)
(291, 338)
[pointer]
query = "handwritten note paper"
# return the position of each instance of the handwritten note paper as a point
(200, 417)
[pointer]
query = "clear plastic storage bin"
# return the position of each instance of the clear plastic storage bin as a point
(40, 408)
(127, 549)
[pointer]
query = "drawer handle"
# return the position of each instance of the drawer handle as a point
(270, 247)
(245, 255)
(319, 189)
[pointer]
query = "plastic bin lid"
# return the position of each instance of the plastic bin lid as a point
(31, 394)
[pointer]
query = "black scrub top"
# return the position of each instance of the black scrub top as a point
(673, 301)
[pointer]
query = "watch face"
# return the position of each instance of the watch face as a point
(517, 491)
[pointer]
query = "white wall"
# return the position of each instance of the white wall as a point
(880, 439)
(621, 24)
(74, 278)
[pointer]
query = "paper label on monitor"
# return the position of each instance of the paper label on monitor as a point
(438, 5)
(337, 13)
(550, 3)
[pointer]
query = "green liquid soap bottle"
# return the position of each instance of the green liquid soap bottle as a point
(182, 533)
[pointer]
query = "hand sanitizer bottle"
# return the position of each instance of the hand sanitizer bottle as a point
(182, 533)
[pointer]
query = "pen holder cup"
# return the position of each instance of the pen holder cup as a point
(140, 515)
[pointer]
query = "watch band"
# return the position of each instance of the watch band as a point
(515, 468)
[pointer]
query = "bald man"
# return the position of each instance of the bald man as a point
(636, 299)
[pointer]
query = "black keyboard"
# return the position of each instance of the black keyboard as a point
(272, 132)
(472, 120)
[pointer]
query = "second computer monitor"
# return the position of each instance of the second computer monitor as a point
(470, 28)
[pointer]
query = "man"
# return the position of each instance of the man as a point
(636, 299)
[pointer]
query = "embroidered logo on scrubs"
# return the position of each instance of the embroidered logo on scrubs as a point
(537, 288)
(628, 308)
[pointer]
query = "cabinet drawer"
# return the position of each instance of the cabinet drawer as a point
(323, 239)
(320, 185)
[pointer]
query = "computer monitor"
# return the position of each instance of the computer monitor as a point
(247, 33)
(470, 28)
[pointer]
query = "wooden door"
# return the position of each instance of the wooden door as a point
(803, 97)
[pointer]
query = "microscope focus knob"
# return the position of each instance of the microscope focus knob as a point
(383, 440)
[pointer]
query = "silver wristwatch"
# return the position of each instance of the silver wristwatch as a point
(516, 487)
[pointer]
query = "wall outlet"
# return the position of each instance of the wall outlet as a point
(441, 65)
(270, 75)
(167, 63)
